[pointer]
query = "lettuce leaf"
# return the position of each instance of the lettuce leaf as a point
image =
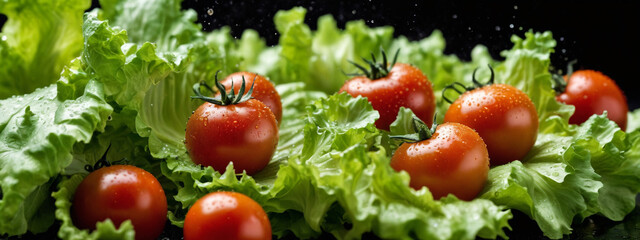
(335, 181)
(320, 58)
(330, 173)
(37, 41)
(572, 172)
(633, 121)
(152, 73)
(526, 67)
(37, 133)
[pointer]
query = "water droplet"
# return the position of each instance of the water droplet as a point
(498, 28)
(511, 25)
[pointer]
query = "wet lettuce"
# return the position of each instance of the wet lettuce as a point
(37, 41)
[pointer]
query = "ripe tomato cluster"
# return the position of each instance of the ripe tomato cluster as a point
(489, 124)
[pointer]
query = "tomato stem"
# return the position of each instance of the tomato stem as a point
(225, 98)
(476, 84)
(560, 85)
(376, 70)
(422, 131)
(102, 162)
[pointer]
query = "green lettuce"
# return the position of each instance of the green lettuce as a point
(633, 121)
(152, 73)
(571, 172)
(330, 173)
(336, 180)
(37, 41)
(320, 59)
(37, 134)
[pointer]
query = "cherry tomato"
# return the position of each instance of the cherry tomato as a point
(504, 116)
(245, 134)
(263, 90)
(121, 192)
(592, 92)
(453, 161)
(226, 215)
(404, 86)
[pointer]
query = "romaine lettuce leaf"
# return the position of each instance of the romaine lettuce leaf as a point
(37, 41)
(37, 133)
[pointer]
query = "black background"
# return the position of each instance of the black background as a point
(601, 35)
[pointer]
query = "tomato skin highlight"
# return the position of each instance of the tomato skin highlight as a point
(405, 86)
(592, 92)
(454, 160)
(245, 134)
(121, 192)
(263, 90)
(226, 215)
(503, 116)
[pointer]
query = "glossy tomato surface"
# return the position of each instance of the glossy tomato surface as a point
(226, 215)
(263, 90)
(245, 134)
(453, 161)
(119, 193)
(592, 92)
(405, 86)
(504, 116)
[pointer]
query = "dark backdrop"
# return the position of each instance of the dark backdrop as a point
(601, 35)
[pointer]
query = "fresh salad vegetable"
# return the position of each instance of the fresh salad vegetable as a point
(125, 80)
(263, 90)
(592, 92)
(503, 115)
(448, 159)
(226, 215)
(121, 193)
(231, 128)
(390, 86)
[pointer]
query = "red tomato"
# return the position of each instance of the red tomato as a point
(245, 134)
(453, 161)
(592, 92)
(226, 215)
(504, 116)
(121, 192)
(404, 86)
(263, 90)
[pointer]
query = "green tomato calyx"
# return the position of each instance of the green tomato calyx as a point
(225, 98)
